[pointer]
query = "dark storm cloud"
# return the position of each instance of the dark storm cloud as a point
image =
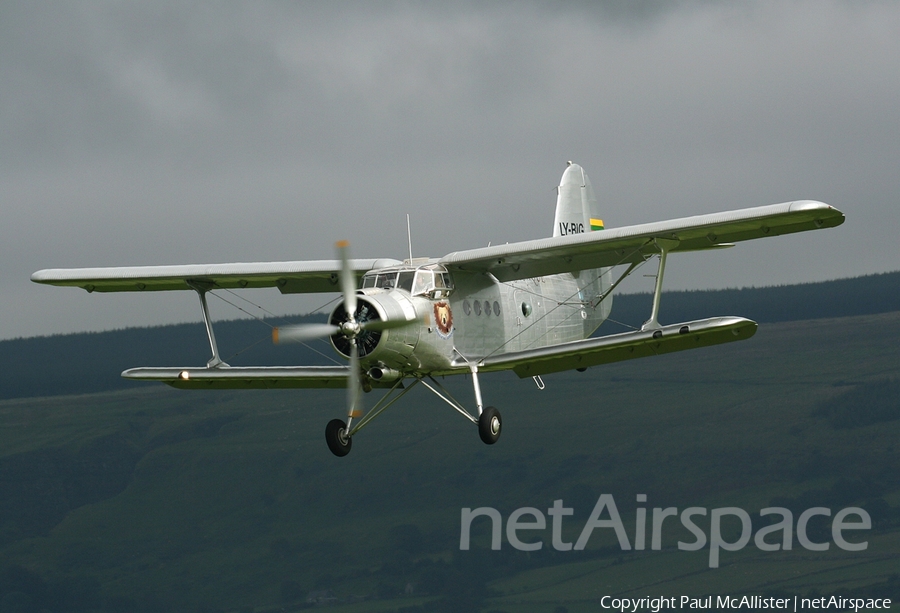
(112, 79)
(172, 133)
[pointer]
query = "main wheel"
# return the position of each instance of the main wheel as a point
(489, 425)
(336, 437)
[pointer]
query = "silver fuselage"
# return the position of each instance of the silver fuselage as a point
(477, 316)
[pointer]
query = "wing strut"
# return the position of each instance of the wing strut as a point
(215, 361)
(616, 284)
(665, 245)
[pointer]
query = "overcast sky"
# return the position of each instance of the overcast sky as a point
(170, 133)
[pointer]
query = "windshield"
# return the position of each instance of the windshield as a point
(384, 280)
(416, 282)
(405, 279)
(424, 282)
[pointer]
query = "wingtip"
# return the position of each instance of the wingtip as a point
(39, 276)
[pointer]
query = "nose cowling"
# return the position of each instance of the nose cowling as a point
(383, 327)
(366, 340)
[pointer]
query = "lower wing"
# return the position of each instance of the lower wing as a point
(619, 347)
(232, 377)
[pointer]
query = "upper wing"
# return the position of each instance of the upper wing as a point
(632, 244)
(619, 347)
(506, 262)
(288, 277)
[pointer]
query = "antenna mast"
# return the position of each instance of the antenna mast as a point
(409, 238)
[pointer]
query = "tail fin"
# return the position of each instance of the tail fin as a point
(576, 206)
(576, 212)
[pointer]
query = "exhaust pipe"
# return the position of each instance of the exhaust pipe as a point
(383, 373)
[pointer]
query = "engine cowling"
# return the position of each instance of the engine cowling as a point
(390, 347)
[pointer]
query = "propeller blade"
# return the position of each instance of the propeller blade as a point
(348, 280)
(378, 325)
(354, 386)
(303, 332)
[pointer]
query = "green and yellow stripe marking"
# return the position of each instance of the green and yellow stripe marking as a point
(596, 224)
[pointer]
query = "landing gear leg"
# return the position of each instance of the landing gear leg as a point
(339, 441)
(339, 435)
(488, 420)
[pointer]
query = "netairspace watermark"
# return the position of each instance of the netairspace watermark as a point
(526, 522)
(796, 603)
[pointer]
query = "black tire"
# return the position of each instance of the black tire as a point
(489, 425)
(337, 439)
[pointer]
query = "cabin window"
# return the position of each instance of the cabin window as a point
(496, 308)
(487, 308)
(467, 308)
(477, 307)
(526, 309)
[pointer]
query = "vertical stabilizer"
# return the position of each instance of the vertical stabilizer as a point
(577, 211)
(576, 205)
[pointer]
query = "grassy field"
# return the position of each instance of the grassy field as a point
(159, 500)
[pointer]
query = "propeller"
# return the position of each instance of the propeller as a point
(349, 328)
(310, 332)
(302, 333)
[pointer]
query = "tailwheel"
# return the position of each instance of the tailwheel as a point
(489, 425)
(339, 442)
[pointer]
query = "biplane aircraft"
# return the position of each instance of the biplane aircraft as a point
(530, 307)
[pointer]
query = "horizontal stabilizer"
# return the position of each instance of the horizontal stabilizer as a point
(620, 347)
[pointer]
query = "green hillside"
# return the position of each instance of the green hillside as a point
(151, 499)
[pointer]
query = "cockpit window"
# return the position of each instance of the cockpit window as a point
(424, 282)
(384, 280)
(405, 280)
